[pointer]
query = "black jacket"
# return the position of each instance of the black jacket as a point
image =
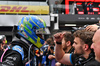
(81, 61)
(14, 58)
(11, 58)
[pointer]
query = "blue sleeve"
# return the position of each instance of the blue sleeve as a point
(71, 58)
(19, 49)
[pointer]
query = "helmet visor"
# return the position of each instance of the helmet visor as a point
(43, 31)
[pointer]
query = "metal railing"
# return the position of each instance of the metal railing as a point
(60, 9)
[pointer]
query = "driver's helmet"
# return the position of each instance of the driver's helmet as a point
(32, 28)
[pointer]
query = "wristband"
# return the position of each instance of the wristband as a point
(58, 43)
(99, 27)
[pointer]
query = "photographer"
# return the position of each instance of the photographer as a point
(49, 51)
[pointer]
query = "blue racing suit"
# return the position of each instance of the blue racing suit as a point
(17, 55)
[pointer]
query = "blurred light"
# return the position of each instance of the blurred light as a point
(70, 24)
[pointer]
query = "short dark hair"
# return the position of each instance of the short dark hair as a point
(50, 41)
(85, 36)
(68, 36)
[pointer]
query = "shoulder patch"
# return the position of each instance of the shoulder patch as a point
(18, 49)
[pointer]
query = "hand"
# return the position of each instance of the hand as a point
(51, 57)
(41, 53)
(58, 64)
(58, 37)
(92, 28)
(38, 55)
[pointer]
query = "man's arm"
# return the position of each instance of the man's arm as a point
(61, 56)
(59, 52)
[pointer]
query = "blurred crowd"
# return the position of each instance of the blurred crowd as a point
(65, 48)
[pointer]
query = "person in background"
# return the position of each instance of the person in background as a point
(90, 8)
(44, 48)
(56, 9)
(38, 54)
(83, 55)
(67, 42)
(75, 7)
(85, 8)
(49, 50)
(96, 45)
(1, 48)
(62, 2)
(3, 43)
